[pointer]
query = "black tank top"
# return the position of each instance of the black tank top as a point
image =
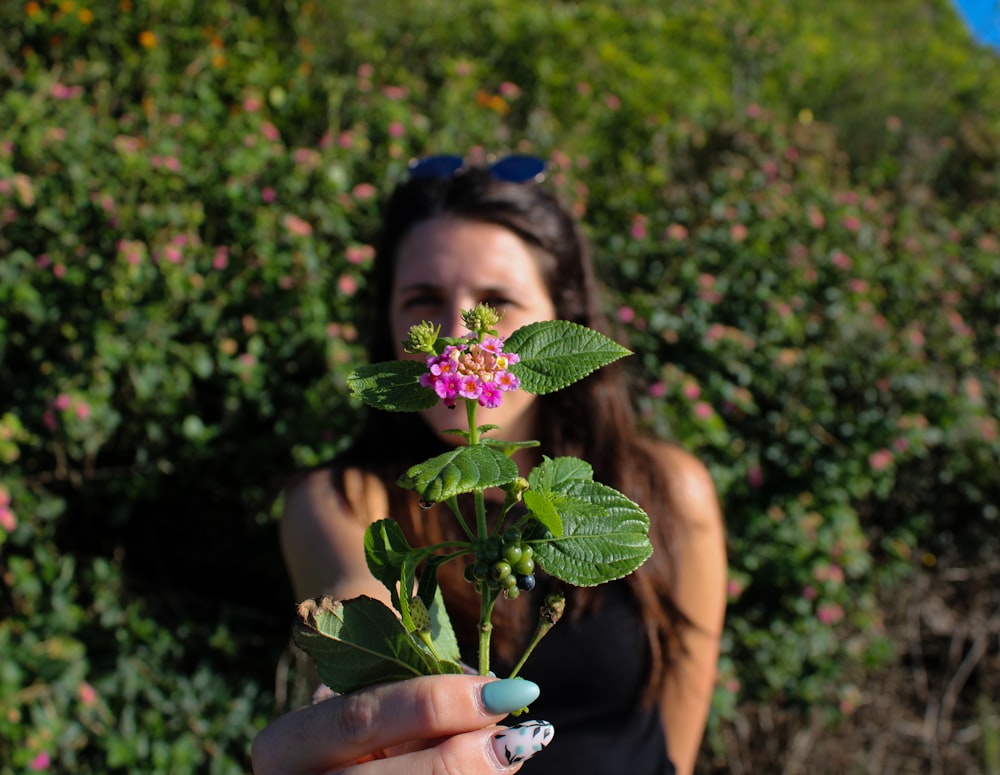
(592, 672)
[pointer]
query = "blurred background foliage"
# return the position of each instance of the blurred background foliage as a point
(794, 208)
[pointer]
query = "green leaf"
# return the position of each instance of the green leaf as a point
(360, 642)
(509, 447)
(605, 536)
(557, 353)
(541, 507)
(556, 474)
(464, 469)
(547, 497)
(442, 634)
(392, 561)
(386, 551)
(393, 386)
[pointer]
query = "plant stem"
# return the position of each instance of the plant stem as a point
(486, 628)
(470, 413)
(453, 505)
(551, 612)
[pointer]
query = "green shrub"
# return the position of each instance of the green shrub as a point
(187, 198)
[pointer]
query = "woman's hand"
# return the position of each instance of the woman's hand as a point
(424, 726)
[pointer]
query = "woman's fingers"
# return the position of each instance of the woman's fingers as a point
(482, 752)
(337, 732)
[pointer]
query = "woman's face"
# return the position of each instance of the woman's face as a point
(446, 265)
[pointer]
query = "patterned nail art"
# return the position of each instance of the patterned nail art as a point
(522, 741)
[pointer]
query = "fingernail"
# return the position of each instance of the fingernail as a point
(522, 741)
(509, 694)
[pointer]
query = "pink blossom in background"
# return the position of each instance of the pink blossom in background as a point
(738, 232)
(734, 588)
(396, 129)
(509, 90)
(296, 226)
(792, 154)
(82, 409)
(809, 592)
(858, 286)
(755, 477)
(220, 259)
(366, 70)
(830, 613)
(880, 459)
(626, 314)
(61, 91)
(4, 496)
(347, 285)
(40, 762)
(851, 223)
(754, 111)
(8, 520)
(816, 219)
(268, 194)
(395, 93)
(270, 132)
(638, 230)
(703, 410)
(364, 192)
(360, 254)
(658, 389)
(173, 254)
(62, 402)
(716, 333)
(612, 102)
(841, 260)
(345, 140)
(584, 89)
(676, 231)
(973, 388)
(691, 391)
(87, 694)
(252, 104)
(49, 419)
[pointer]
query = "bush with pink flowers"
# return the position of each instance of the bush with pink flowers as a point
(188, 193)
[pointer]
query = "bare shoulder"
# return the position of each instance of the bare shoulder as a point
(693, 495)
(322, 528)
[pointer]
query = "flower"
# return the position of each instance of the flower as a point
(475, 371)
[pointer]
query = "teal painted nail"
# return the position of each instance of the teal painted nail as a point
(509, 694)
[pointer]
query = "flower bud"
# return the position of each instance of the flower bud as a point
(421, 338)
(482, 319)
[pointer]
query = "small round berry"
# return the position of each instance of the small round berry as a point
(525, 566)
(512, 553)
(525, 582)
(500, 570)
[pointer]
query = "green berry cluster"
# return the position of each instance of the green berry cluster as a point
(504, 562)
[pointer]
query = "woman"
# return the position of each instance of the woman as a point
(626, 677)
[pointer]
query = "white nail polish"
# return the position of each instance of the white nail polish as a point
(522, 741)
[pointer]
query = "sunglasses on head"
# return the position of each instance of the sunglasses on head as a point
(510, 169)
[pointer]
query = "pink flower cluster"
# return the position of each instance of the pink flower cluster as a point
(476, 371)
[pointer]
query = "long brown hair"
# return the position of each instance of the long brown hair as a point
(592, 419)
